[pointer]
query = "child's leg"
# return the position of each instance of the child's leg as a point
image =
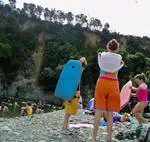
(66, 119)
(138, 111)
(109, 125)
(97, 117)
(142, 106)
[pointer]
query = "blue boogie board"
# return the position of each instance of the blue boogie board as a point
(69, 80)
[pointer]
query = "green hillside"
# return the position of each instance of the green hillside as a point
(33, 50)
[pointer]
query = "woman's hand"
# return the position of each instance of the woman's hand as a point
(122, 62)
(99, 53)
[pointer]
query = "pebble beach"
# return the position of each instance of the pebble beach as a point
(47, 127)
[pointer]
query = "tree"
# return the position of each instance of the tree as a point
(136, 63)
(134, 44)
(69, 17)
(46, 14)
(56, 53)
(26, 7)
(95, 23)
(50, 15)
(53, 15)
(39, 10)
(5, 51)
(5, 55)
(1, 3)
(46, 78)
(61, 16)
(81, 19)
(106, 26)
(32, 9)
(12, 3)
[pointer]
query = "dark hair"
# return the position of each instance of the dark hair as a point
(113, 44)
(83, 64)
(40, 107)
(141, 77)
(29, 103)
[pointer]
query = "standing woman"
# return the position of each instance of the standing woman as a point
(107, 93)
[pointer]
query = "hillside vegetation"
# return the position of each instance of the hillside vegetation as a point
(33, 50)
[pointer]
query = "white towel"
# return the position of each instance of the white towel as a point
(110, 62)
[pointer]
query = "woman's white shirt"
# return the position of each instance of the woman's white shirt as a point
(110, 62)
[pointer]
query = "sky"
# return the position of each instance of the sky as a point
(129, 17)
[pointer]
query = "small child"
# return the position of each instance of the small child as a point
(142, 96)
(29, 108)
(71, 108)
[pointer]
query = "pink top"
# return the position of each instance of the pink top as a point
(142, 95)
